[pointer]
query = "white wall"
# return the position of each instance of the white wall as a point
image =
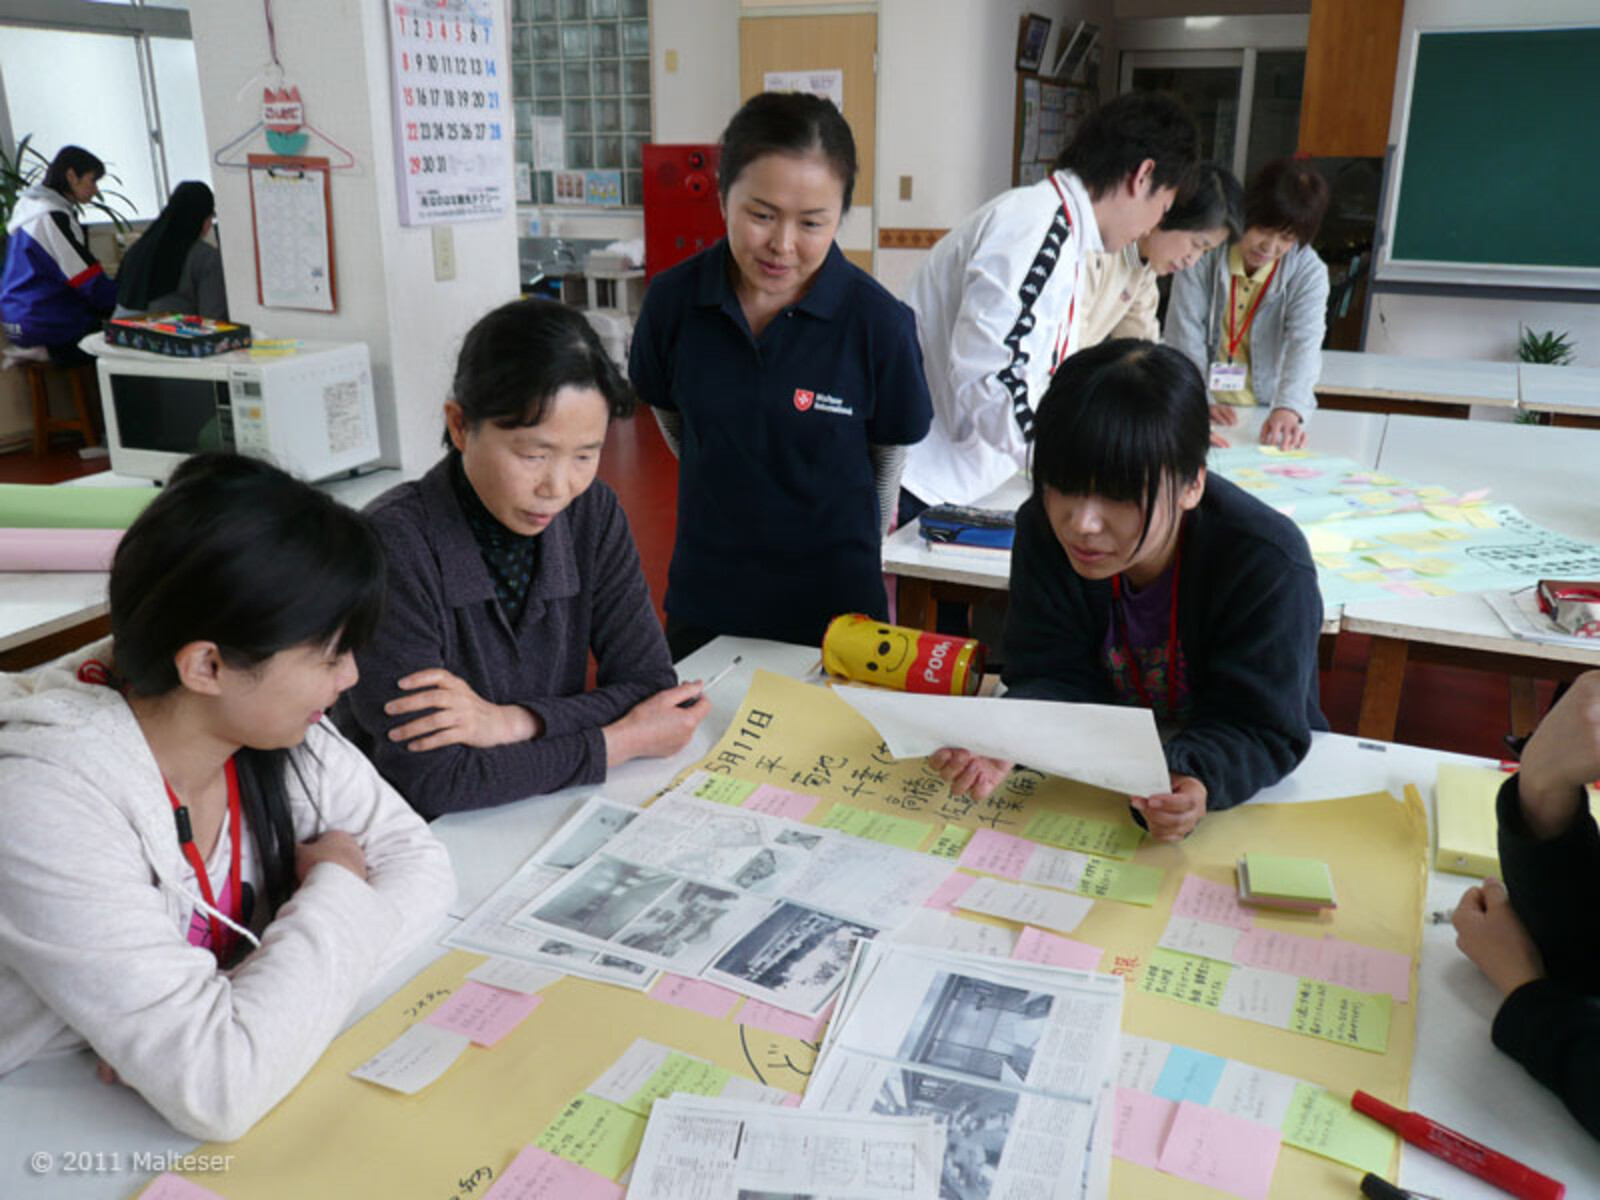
(694, 102)
(1454, 327)
(388, 298)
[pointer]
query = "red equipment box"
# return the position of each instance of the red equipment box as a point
(681, 213)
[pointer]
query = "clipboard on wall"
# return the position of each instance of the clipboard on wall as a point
(1047, 115)
(291, 217)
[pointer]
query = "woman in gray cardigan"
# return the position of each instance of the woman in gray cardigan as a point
(1252, 316)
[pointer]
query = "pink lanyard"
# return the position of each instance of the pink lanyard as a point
(1066, 330)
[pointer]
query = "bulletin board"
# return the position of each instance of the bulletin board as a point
(1047, 118)
(291, 218)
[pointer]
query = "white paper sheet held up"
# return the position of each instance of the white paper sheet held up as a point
(1105, 745)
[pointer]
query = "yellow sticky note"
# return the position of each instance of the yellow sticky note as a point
(1342, 1015)
(950, 842)
(1322, 1123)
(1383, 480)
(1432, 492)
(1375, 499)
(1433, 566)
(1463, 801)
(1479, 519)
(679, 1073)
(1326, 541)
(1275, 452)
(1333, 562)
(1363, 576)
(876, 826)
(1247, 473)
(1389, 562)
(1254, 485)
(1441, 512)
(1132, 883)
(1105, 838)
(1434, 589)
(594, 1133)
(1450, 535)
(724, 789)
(1186, 977)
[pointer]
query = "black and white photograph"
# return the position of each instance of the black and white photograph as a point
(687, 926)
(796, 957)
(978, 1120)
(600, 899)
(591, 828)
(977, 1027)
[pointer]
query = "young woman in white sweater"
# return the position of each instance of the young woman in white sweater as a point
(199, 876)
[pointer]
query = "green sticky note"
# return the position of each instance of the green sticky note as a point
(42, 506)
(594, 1133)
(1287, 878)
(1186, 977)
(876, 826)
(1322, 1123)
(724, 789)
(1342, 1015)
(1106, 838)
(951, 841)
(680, 1073)
(1132, 883)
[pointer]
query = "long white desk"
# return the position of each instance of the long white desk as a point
(1571, 395)
(1458, 1077)
(1399, 383)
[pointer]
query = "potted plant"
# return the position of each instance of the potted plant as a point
(1547, 347)
(27, 166)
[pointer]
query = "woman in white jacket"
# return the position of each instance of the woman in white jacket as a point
(199, 876)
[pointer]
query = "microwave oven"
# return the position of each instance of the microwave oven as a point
(310, 411)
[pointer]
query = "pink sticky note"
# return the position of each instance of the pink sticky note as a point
(168, 1186)
(996, 853)
(1142, 1122)
(537, 1174)
(1215, 902)
(1271, 950)
(1472, 497)
(947, 893)
(792, 806)
(1035, 945)
(695, 994)
(760, 1015)
(1404, 589)
(1215, 1148)
(1365, 968)
(1293, 472)
(483, 1013)
(789, 1101)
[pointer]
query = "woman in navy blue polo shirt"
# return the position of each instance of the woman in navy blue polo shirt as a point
(788, 382)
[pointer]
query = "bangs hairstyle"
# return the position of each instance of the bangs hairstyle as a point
(792, 124)
(75, 159)
(1117, 137)
(234, 551)
(1287, 194)
(1215, 201)
(1117, 421)
(515, 359)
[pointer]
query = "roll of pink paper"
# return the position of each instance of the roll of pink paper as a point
(58, 549)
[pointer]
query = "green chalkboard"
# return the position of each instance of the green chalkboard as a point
(1501, 166)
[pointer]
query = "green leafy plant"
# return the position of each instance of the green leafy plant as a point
(1547, 347)
(27, 166)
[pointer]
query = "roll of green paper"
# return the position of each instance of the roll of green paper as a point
(29, 506)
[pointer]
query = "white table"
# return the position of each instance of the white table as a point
(37, 604)
(1457, 1078)
(1396, 383)
(1571, 395)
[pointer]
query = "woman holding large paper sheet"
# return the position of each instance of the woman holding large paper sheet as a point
(199, 876)
(1138, 579)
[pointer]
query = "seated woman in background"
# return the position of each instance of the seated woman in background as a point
(1252, 316)
(172, 268)
(1534, 935)
(1119, 293)
(508, 564)
(208, 965)
(1138, 579)
(52, 289)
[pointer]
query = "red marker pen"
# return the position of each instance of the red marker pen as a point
(1503, 1172)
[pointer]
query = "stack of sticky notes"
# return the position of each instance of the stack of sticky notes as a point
(1464, 815)
(1279, 881)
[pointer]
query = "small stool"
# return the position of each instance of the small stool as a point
(35, 363)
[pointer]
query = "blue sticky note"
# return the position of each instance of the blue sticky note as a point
(1190, 1075)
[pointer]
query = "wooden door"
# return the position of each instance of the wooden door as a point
(844, 42)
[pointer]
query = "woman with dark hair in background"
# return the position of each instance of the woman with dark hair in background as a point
(508, 564)
(1119, 295)
(1138, 579)
(1252, 316)
(172, 268)
(52, 289)
(199, 876)
(789, 383)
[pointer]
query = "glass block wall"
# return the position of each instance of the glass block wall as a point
(587, 62)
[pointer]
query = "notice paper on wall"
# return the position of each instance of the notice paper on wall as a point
(827, 84)
(291, 217)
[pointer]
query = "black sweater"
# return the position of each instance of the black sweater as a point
(1552, 1025)
(1249, 615)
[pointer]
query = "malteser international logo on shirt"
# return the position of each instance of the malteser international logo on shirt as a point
(804, 401)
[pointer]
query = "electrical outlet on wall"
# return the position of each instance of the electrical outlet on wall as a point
(905, 187)
(444, 253)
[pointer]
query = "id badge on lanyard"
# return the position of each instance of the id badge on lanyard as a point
(1227, 377)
